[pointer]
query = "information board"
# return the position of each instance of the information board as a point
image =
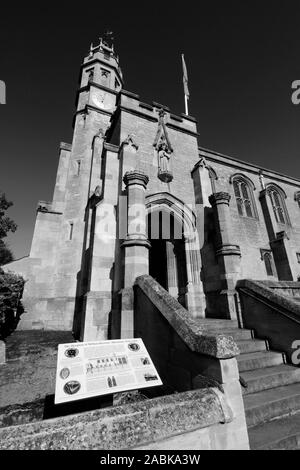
(92, 369)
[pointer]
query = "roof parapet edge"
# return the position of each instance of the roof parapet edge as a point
(243, 162)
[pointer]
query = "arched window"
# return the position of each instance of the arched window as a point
(213, 178)
(266, 256)
(268, 264)
(243, 191)
(277, 197)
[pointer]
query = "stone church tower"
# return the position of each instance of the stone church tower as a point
(135, 194)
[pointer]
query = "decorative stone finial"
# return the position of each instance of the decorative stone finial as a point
(100, 134)
(262, 180)
(202, 162)
(130, 141)
(162, 113)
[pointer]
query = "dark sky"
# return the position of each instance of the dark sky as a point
(241, 62)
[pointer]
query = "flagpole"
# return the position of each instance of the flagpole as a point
(185, 85)
(186, 105)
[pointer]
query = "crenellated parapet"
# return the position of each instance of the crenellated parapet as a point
(131, 103)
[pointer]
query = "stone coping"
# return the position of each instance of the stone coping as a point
(122, 427)
(190, 330)
(246, 166)
(280, 284)
(65, 146)
(264, 290)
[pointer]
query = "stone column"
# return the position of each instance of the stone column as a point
(228, 254)
(172, 270)
(136, 246)
(195, 299)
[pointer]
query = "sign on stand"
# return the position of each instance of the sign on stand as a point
(86, 370)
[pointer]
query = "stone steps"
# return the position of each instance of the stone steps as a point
(267, 405)
(270, 377)
(278, 434)
(251, 345)
(272, 396)
(258, 360)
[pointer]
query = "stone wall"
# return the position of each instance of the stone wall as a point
(287, 288)
(185, 421)
(142, 123)
(44, 308)
(251, 234)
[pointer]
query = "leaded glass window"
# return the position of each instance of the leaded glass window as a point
(278, 206)
(243, 198)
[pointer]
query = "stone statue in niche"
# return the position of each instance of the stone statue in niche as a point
(164, 157)
(163, 150)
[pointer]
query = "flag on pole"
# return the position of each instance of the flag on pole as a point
(185, 78)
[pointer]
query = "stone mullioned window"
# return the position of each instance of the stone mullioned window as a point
(244, 197)
(279, 208)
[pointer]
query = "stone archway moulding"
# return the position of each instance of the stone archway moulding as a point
(186, 216)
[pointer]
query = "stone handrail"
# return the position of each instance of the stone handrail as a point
(273, 315)
(191, 332)
(265, 292)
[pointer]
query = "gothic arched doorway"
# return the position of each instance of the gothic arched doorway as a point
(167, 258)
(174, 256)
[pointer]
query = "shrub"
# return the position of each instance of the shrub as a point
(11, 291)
